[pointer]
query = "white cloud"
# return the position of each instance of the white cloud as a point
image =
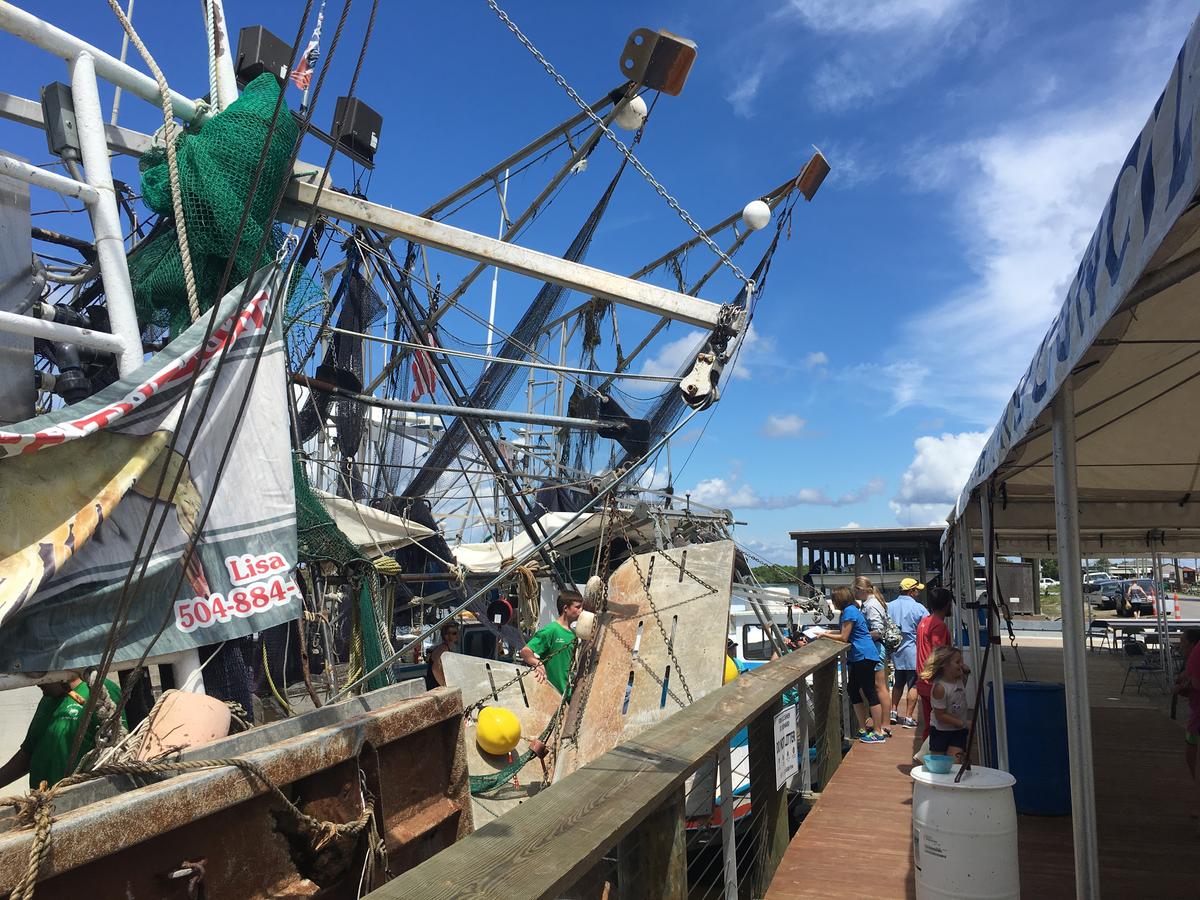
(885, 45)
(1026, 199)
(776, 551)
(672, 354)
(733, 493)
(816, 358)
(874, 16)
(783, 425)
(904, 381)
(755, 348)
(745, 89)
(851, 524)
(932, 481)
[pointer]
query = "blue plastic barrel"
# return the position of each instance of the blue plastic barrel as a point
(1037, 747)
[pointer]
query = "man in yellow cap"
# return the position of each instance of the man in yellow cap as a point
(906, 611)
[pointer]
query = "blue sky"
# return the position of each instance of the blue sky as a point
(973, 144)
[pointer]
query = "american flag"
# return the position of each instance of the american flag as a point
(303, 73)
(425, 379)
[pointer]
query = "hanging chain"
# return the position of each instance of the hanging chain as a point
(645, 580)
(624, 150)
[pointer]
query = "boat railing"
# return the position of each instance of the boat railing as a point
(624, 820)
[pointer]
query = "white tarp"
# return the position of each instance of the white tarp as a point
(1154, 188)
(491, 556)
(374, 531)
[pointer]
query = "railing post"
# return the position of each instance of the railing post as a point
(728, 805)
(768, 807)
(827, 716)
(652, 859)
(805, 735)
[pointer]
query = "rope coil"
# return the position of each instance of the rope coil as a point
(36, 808)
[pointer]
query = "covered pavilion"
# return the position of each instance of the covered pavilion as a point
(1098, 450)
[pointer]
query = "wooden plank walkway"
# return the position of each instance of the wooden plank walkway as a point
(856, 842)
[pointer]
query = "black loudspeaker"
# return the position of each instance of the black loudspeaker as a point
(356, 126)
(260, 51)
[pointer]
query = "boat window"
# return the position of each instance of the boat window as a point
(755, 644)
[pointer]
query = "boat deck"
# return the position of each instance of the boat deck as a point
(856, 842)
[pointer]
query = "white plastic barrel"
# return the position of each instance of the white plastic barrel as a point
(965, 835)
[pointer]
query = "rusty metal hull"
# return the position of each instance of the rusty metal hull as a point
(408, 756)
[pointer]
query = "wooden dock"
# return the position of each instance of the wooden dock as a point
(856, 842)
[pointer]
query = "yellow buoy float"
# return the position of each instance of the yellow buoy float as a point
(731, 670)
(497, 730)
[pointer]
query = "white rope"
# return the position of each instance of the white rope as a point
(169, 131)
(625, 151)
(210, 26)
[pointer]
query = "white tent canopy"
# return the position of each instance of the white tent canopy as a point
(1128, 340)
(1097, 451)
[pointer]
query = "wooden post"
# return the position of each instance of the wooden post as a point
(652, 859)
(769, 804)
(827, 719)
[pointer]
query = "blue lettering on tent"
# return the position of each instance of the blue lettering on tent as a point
(1181, 150)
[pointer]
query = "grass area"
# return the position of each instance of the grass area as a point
(1051, 603)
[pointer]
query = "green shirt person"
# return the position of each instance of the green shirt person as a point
(549, 650)
(44, 752)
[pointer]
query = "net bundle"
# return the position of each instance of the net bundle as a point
(217, 167)
(320, 541)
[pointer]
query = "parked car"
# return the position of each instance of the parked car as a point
(1048, 583)
(1092, 579)
(1119, 595)
(1104, 594)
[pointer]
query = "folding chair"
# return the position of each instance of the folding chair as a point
(1139, 662)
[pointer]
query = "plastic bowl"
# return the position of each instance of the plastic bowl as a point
(938, 763)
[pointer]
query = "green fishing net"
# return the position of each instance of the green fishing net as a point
(217, 168)
(319, 540)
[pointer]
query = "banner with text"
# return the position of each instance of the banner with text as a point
(79, 484)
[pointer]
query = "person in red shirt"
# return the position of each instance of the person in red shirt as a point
(932, 631)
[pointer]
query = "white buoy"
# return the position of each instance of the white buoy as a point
(631, 114)
(756, 215)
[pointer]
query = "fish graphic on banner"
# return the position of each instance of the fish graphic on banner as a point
(78, 484)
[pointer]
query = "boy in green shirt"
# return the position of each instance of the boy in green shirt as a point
(48, 741)
(549, 650)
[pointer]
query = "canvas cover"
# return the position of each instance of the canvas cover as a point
(77, 484)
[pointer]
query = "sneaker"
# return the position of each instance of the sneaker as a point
(895, 718)
(887, 733)
(861, 733)
(871, 738)
(908, 723)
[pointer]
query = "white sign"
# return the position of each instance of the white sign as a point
(787, 763)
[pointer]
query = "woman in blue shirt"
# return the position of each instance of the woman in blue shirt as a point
(861, 662)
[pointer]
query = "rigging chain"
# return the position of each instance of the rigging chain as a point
(625, 151)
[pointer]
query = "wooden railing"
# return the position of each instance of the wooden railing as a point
(629, 804)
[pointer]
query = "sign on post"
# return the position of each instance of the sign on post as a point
(787, 764)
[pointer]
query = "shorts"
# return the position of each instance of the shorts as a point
(941, 741)
(861, 682)
(906, 678)
(882, 664)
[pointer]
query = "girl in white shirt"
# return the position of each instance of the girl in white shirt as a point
(951, 717)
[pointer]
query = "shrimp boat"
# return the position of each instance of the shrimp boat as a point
(261, 436)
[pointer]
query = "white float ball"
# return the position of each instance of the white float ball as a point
(756, 215)
(632, 114)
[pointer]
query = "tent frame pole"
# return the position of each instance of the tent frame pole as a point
(995, 673)
(1079, 714)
